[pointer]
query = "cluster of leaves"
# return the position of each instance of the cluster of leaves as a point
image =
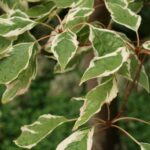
(114, 56)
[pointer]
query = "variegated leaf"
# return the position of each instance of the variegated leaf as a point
(105, 65)
(33, 1)
(14, 26)
(32, 134)
(94, 100)
(65, 3)
(41, 10)
(64, 46)
(135, 5)
(145, 146)
(129, 70)
(123, 3)
(5, 45)
(85, 3)
(8, 5)
(146, 45)
(105, 41)
(77, 141)
(76, 18)
(18, 61)
(120, 13)
(20, 85)
(17, 13)
(27, 37)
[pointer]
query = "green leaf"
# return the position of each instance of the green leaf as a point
(21, 84)
(64, 46)
(105, 41)
(33, 1)
(79, 140)
(85, 3)
(26, 38)
(65, 3)
(78, 15)
(17, 13)
(41, 10)
(14, 26)
(105, 65)
(145, 146)
(129, 70)
(136, 5)
(94, 100)
(8, 5)
(76, 18)
(121, 14)
(32, 134)
(143, 77)
(5, 45)
(146, 45)
(18, 61)
(123, 3)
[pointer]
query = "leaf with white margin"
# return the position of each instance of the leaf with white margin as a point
(8, 5)
(146, 45)
(32, 134)
(28, 37)
(135, 5)
(14, 26)
(76, 18)
(144, 146)
(65, 3)
(34, 1)
(85, 3)
(121, 14)
(123, 3)
(105, 65)
(105, 41)
(5, 45)
(79, 140)
(18, 61)
(129, 70)
(64, 46)
(78, 15)
(18, 13)
(94, 100)
(20, 85)
(41, 10)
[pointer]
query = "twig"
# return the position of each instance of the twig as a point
(100, 120)
(138, 39)
(101, 129)
(108, 111)
(126, 133)
(131, 119)
(71, 120)
(129, 90)
(42, 38)
(109, 26)
(46, 25)
(100, 5)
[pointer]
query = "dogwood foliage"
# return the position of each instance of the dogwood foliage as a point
(114, 56)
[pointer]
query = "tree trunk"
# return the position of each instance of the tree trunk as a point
(107, 139)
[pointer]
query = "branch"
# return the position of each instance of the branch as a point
(129, 90)
(131, 119)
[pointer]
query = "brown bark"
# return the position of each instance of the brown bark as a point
(107, 139)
